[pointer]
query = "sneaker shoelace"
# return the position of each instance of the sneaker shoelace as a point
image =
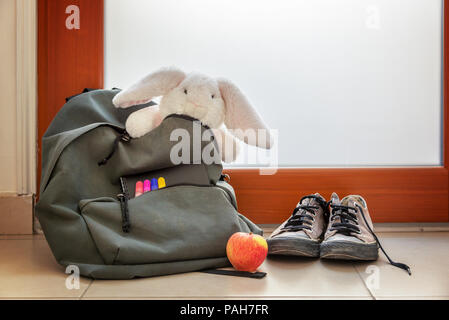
(304, 214)
(346, 217)
(348, 224)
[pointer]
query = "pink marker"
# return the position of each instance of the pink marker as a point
(139, 189)
(146, 186)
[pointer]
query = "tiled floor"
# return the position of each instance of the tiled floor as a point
(28, 270)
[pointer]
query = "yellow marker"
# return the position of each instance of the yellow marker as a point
(161, 183)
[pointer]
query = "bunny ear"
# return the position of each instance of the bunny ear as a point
(155, 84)
(243, 120)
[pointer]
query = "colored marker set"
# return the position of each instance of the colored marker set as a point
(149, 185)
(182, 175)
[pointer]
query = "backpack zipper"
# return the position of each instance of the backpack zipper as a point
(125, 137)
(126, 225)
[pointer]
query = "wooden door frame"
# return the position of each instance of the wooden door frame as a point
(393, 194)
(68, 60)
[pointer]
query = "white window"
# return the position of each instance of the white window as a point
(346, 82)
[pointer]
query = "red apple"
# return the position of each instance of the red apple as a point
(246, 251)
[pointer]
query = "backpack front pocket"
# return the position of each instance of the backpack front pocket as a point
(173, 224)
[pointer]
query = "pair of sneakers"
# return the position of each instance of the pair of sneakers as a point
(338, 229)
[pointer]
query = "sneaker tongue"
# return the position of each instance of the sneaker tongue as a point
(335, 199)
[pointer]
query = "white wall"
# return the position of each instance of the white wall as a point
(346, 82)
(8, 161)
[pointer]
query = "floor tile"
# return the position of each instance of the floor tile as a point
(287, 277)
(427, 254)
(29, 270)
(412, 298)
(232, 298)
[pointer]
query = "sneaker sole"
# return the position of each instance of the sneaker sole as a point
(293, 247)
(344, 250)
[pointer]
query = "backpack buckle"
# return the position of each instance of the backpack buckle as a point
(125, 137)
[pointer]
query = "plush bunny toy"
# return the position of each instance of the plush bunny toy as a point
(214, 102)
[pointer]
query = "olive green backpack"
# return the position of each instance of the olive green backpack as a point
(90, 218)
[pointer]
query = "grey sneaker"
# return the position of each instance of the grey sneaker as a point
(350, 233)
(303, 232)
(347, 236)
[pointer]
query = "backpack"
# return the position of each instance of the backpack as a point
(90, 217)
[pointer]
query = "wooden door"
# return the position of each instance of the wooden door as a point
(69, 59)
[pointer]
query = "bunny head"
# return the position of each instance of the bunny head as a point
(197, 96)
(214, 102)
